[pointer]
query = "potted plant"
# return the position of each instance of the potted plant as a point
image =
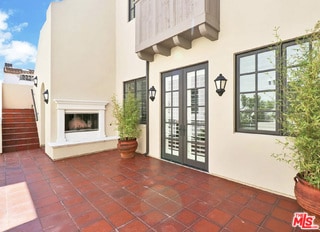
(127, 121)
(301, 121)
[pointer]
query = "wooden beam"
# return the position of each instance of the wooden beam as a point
(145, 56)
(182, 42)
(208, 31)
(162, 50)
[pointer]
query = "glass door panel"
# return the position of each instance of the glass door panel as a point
(184, 116)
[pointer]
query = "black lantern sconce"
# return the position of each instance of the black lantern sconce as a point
(35, 81)
(46, 96)
(152, 93)
(220, 83)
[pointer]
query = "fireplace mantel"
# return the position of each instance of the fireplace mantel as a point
(65, 106)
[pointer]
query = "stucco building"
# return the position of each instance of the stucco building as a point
(90, 50)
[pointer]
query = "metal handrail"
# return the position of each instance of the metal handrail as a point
(34, 106)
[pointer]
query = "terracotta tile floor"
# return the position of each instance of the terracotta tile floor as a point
(102, 192)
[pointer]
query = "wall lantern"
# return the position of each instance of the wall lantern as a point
(152, 93)
(46, 96)
(35, 81)
(220, 83)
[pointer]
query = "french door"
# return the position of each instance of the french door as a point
(184, 116)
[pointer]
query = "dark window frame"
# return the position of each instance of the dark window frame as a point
(138, 91)
(280, 80)
(131, 10)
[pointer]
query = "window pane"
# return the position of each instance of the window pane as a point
(247, 101)
(200, 78)
(191, 152)
(290, 73)
(267, 60)
(141, 84)
(175, 99)
(168, 130)
(267, 121)
(267, 101)
(247, 83)
(201, 134)
(191, 115)
(192, 97)
(191, 80)
(201, 115)
(247, 64)
(175, 82)
(295, 52)
(175, 115)
(168, 99)
(201, 97)
(191, 131)
(267, 81)
(131, 9)
(138, 88)
(129, 87)
(168, 83)
(168, 146)
(247, 120)
(168, 115)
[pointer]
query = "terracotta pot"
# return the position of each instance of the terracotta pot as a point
(308, 197)
(127, 148)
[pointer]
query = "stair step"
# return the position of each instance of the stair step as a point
(20, 135)
(20, 147)
(16, 110)
(18, 124)
(19, 130)
(16, 120)
(10, 142)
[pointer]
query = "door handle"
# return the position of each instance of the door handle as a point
(182, 130)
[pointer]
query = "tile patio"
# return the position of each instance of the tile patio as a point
(102, 192)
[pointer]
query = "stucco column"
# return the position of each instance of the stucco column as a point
(102, 129)
(60, 127)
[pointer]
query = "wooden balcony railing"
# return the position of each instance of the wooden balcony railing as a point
(163, 24)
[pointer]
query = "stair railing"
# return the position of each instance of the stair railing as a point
(34, 106)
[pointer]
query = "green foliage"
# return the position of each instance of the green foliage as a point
(301, 121)
(127, 117)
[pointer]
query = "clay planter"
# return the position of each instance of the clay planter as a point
(307, 196)
(127, 148)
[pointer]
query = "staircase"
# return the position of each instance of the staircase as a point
(19, 130)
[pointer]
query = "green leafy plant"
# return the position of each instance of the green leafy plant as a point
(301, 117)
(127, 117)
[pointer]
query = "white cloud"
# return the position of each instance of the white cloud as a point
(13, 51)
(3, 18)
(20, 27)
(18, 51)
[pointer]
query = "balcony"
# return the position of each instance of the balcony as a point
(164, 24)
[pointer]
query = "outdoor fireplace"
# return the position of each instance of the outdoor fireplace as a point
(80, 121)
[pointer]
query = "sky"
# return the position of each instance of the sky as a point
(20, 25)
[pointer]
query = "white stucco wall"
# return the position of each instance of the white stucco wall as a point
(128, 65)
(76, 61)
(16, 96)
(43, 72)
(245, 25)
(88, 56)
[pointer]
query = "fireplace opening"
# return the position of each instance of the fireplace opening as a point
(81, 122)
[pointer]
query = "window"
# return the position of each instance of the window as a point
(138, 87)
(258, 92)
(131, 9)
